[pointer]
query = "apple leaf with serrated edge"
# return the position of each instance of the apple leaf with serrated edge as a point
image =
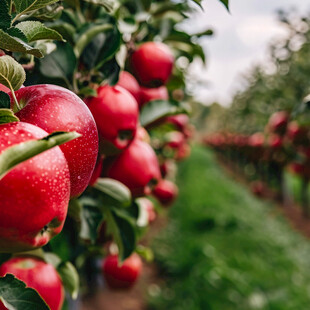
(13, 44)
(25, 6)
(34, 31)
(12, 74)
(18, 153)
(15, 295)
(7, 116)
(5, 18)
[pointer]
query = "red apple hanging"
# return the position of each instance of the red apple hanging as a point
(121, 275)
(116, 114)
(152, 64)
(38, 275)
(34, 195)
(55, 108)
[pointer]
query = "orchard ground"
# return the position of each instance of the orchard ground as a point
(222, 248)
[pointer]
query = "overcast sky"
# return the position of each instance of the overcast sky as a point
(241, 39)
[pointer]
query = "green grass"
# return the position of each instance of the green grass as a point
(224, 249)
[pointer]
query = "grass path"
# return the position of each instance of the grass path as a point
(223, 249)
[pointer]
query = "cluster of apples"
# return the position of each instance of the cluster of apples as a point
(126, 154)
(35, 194)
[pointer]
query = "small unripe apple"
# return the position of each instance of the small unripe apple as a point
(152, 64)
(38, 275)
(121, 275)
(116, 114)
(129, 82)
(137, 167)
(166, 192)
(34, 195)
(55, 108)
(149, 94)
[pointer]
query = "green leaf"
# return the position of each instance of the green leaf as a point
(113, 192)
(7, 116)
(25, 6)
(18, 153)
(156, 110)
(5, 18)
(145, 252)
(15, 295)
(88, 36)
(109, 5)
(226, 3)
(91, 218)
(123, 232)
(12, 74)
(110, 71)
(37, 31)
(5, 100)
(70, 278)
(59, 64)
(14, 44)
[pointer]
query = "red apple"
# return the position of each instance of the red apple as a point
(4, 88)
(121, 275)
(143, 135)
(174, 139)
(278, 122)
(34, 195)
(97, 171)
(256, 140)
(149, 94)
(137, 167)
(148, 205)
(116, 114)
(38, 275)
(180, 121)
(275, 141)
(297, 134)
(152, 64)
(183, 151)
(128, 82)
(166, 192)
(55, 108)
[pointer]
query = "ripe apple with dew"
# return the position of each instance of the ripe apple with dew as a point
(166, 192)
(150, 94)
(121, 275)
(55, 108)
(38, 275)
(152, 64)
(137, 167)
(116, 114)
(129, 82)
(34, 195)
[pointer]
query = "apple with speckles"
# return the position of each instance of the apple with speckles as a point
(137, 167)
(152, 64)
(38, 275)
(116, 112)
(121, 275)
(54, 108)
(34, 195)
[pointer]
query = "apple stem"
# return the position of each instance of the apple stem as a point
(15, 100)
